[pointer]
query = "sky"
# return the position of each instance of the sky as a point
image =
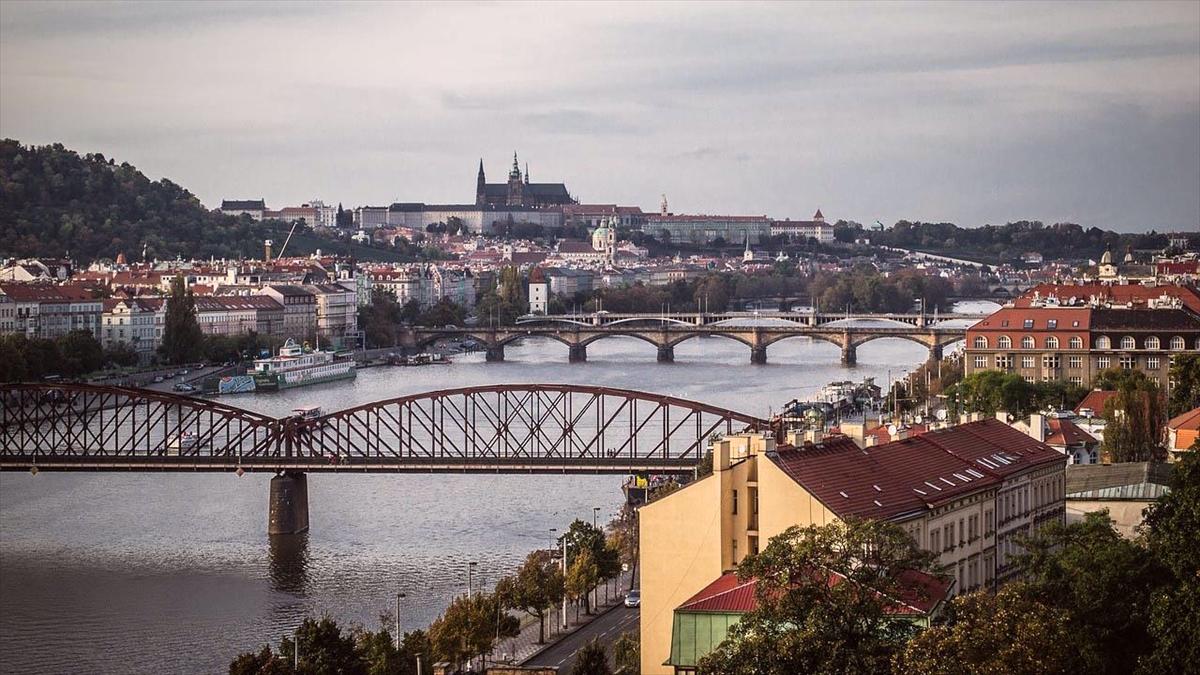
(964, 112)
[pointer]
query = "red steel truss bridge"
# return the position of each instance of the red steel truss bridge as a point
(510, 428)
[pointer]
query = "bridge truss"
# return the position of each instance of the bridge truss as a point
(521, 428)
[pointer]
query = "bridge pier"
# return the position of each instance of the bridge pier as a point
(935, 353)
(849, 354)
(666, 354)
(494, 353)
(577, 354)
(288, 512)
(758, 355)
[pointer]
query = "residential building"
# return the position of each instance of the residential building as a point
(1059, 431)
(370, 217)
(1183, 431)
(41, 310)
(965, 493)
(592, 216)
(539, 292)
(299, 309)
(135, 321)
(1124, 490)
(337, 312)
(255, 208)
(1076, 343)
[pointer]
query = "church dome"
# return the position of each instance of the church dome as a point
(1106, 259)
(600, 238)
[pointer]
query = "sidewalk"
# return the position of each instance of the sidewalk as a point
(524, 646)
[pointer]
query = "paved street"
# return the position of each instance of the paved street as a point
(607, 627)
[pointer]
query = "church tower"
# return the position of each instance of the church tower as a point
(480, 186)
(516, 191)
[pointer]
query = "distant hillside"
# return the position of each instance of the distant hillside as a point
(54, 201)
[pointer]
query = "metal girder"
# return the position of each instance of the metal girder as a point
(512, 428)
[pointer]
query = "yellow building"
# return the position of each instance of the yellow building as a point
(942, 486)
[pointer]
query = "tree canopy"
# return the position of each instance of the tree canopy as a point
(535, 588)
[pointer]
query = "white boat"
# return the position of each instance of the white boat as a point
(295, 367)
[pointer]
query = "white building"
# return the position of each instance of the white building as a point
(816, 228)
(539, 292)
(250, 207)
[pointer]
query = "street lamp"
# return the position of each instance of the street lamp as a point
(470, 575)
(398, 598)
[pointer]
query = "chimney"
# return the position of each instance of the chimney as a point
(1037, 427)
(267, 250)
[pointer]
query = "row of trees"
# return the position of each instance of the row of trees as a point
(77, 353)
(991, 391)
(1090, 601)
(469, 626)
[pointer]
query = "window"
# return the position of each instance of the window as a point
(980, 342)
(1049, 361)
(1177, 343)
(981, 361)
(1052, 323)
(1051, 342)
(950, 536)
(1075, 343)
(1028, 323)
(735, 502)
(1074, 361)
(1128, 342)
(1003, 361)
(935, 540)
(1026, 361)
(1027, 342)
(1102, 342)
(1004, 342)
(1128, 362)
(1103, 362)
(1152, 363)
(1076, 380)
(962, 533)
(1152, 342)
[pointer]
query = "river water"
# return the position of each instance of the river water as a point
(154, 573)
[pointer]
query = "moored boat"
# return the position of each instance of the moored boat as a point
(295, 367)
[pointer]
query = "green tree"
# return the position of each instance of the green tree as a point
(583, 574)
(805, 624)
(1135, 419)
(182, 340)
(992, 635)
(470, 627)
(582, 536)
(381, 320)
(627, 654)
(81, 353)
(623, 537)
(1185, 394)
(535, 589)
(1104, 582)
(1169, 530)
(591, 660)
(262, 662)
(121, 354)
(444, 312)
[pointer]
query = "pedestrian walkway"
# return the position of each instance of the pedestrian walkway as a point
(525, 645)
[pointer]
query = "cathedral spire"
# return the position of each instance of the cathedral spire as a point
(516, 170)
(527, 173)
(481, 167)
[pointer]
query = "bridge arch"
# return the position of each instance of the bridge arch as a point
(729, 334)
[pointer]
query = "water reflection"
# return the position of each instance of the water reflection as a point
(289, 563)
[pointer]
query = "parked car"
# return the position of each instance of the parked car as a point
(184, 387)
(158, 379)
(634, 598)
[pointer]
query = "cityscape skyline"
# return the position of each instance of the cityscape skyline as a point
(989, 114)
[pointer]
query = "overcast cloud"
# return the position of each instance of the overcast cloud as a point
(966, 112)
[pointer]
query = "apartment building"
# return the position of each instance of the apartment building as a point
(137, 322)
(964, 493)
(337, 311)
(1075, 343)
(49, 311)
(299, 308)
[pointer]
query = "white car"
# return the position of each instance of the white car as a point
(634, 599)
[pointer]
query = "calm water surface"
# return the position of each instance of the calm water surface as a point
(152, 573)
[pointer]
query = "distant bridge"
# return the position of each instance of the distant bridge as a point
(665, 331)
(512, 428)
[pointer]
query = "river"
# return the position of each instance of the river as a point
(153, 573)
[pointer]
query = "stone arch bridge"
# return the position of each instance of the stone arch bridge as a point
(665, 336)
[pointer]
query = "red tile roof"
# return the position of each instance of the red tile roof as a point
(1065, 432)
(904, 477)
(1095, 401)
(917, 593)
(1116, 293)
(1187, 420)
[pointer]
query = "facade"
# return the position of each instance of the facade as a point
(1183, 431)
(474, 218)
(816, 228)
(539, 292)
(337, 311)
(370, 217)
(48, 311)
(1076, 343)
(255, 208)
(964, 493)
(135, 321)
(426, 284)
(703, 229)
(518, 191)
(592, 216)
(299, 308)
